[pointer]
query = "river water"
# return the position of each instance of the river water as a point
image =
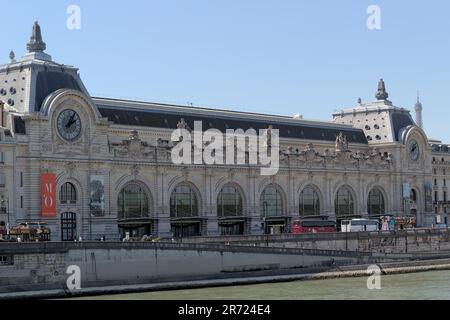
(424, 285)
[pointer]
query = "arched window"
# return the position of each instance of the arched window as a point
(375, 202)
(309, 202)
(271, 202)
(344, 204)
(413, 195)
(229, 202)
(133, 202)
(68, 194)
(183, 202)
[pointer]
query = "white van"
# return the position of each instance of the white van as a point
(357, 225)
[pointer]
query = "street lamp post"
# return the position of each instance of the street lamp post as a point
(264, 217)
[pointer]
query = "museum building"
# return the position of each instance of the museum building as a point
(93, 167)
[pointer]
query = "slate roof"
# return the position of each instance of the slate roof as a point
(50, 81)
(169, 120)
(400, 121)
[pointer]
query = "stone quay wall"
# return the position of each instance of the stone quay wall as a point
(43, 266)
(382, 242)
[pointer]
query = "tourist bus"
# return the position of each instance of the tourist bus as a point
(313, 226)
(358, 225)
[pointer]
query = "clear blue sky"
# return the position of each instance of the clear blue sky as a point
(283, 57)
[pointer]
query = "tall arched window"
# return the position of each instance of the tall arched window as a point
(68, 194)
(133, 202)
(229, 202)
(413, 195)
(309, 202)
(375, 202)
(183, 202)
(271, 202)
(344, 204)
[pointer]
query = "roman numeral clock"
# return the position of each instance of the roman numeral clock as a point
(69, 125)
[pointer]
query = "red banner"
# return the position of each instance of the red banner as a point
(48, 195)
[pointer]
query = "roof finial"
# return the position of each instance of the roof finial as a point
(36, 43)
(381, 93)
(12, 56)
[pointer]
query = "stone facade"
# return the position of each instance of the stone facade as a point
(138, 151)
(441, 176)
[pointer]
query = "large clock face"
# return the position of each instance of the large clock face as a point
(413, 149)
(69, 125)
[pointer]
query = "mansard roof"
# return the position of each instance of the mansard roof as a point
(50, 81)
(138, 114)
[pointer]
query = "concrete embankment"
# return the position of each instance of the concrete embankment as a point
(28, 267)
(43, 266)
(338, 272)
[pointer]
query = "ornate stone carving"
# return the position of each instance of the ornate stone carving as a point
(185, 173)
(36, 43)
(47, 147)
(341, 143)
(135, 170)
(342, 157)
(268, 142)
(231, 174)
(70, 169)
(381, 92)
(377, 178)
(134, 147)
(182, 124)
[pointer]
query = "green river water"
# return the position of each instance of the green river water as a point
(425, 285)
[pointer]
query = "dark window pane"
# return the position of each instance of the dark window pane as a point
(309, 202)
(133, 202)
(229, 202)
(183, 202)
(271, 202)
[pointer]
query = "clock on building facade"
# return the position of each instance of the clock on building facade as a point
(69, 125)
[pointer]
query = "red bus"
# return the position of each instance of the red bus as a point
(313, 226)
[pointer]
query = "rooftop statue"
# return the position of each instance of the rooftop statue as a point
(36, 43)
(341, 143)
(182, 124)
(381, 92)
